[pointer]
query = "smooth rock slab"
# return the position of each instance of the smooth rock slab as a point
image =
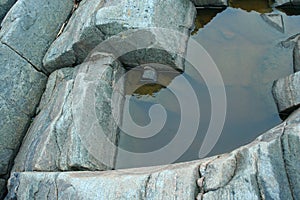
(115, 17)
(5, 5)
(75, 129)
(267, 168)
(286, 93)
(31, 26)
(164, 182)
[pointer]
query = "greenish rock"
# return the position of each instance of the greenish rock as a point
(20, 83)
(78, 39)
(5, 5)
(163, 182)
(75, 129)
(286, 94)
(31, 26)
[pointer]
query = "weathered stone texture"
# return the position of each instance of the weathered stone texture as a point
(164, 182)
(113, 17)
(210, 3)
(287, 94)
(31, 26)
(75, 105)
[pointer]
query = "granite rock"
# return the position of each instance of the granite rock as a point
(75, 129)
(31, 26)
(78, 39)
(115, 17)
(163, 182)
(286, 94)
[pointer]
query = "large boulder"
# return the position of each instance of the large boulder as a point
(115, 17)
(5, 5)
(267, 168)
(31, 26)
(286, 93)
(21, 89)
(164, 182)
(75, 105)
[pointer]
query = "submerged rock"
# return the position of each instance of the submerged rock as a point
(113, 17)
(74, 115)
(286, 94)
(274, 20)
(31, 26)
(5, 5)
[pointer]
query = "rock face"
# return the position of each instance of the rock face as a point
(287, 2)
(268, 168)
(286, 94)
(30, 27)
(296, 56)
(165, 182)
(212, 3)
(77, 101)
(21, 89)
(5, 5)
(112, 18)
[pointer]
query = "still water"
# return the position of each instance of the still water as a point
(249, 56)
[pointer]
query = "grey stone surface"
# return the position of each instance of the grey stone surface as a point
(78, 39)
(31, 26)
(21, 89)
(210, 3)
(74, 129)
(5, 5)
(164, 182)
(118, 16)
(291, 41)
(274, 20)
(267, 168)
(20, 83)
(287, 94)
(296, 56)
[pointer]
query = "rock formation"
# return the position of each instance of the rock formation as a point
(57, 92)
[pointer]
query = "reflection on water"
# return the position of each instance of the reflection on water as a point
(246, 51)
(261, 6)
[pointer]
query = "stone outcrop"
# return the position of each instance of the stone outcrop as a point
(55, 140)
(5, 5)
(113, 17)
(31, 26)
(287, 2)
(26, 32)
(267, 168)
(286, 94)
(164, 182)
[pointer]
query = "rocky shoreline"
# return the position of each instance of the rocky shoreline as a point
(46, 82)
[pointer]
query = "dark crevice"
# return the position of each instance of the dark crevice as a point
(259, 186)
(28, 61)
(146, 185)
